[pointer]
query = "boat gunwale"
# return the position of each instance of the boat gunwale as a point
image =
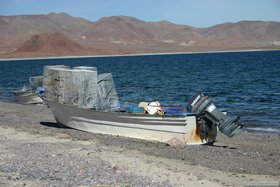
(124, 113)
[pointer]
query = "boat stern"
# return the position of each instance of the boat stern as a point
(193, 132)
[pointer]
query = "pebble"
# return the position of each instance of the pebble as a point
(54, 164)
(48, 169)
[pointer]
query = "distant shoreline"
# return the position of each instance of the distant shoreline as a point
(134, 54)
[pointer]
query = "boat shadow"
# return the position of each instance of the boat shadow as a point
(54, 125)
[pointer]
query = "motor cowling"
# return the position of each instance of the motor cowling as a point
(205, 109)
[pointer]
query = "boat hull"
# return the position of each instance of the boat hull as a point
(148, 127)
(28, 97)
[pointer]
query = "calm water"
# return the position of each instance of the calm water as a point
(244, 83)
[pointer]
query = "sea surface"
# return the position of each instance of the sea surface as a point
(243, 83)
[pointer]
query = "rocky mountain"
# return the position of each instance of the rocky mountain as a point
(127, 34)
(15, 30)
(54, 43)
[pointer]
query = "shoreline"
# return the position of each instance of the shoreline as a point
(36, 151)
(135, 54)
(263, 130)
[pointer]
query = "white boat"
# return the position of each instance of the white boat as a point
(27, 97)
(142, 126)
(81, 99)
(28, 94)
(187, 128)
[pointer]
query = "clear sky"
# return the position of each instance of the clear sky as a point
(197, 13)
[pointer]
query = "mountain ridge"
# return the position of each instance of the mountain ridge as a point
(127, 34)
(56, 44)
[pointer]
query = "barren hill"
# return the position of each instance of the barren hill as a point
(56, 44)
(126, 34)
(52, 44)
(15, 30)
(119, 28)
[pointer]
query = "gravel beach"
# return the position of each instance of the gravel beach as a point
(36, 151)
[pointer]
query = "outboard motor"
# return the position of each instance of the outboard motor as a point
(207, 113)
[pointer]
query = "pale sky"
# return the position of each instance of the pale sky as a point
(197, 13)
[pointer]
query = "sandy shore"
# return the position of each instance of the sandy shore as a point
(132, 54)
(35, 151)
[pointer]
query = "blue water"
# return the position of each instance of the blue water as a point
(244, 83)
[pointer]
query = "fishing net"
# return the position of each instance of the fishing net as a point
(107, 92)
(53, 81)
(80, 87)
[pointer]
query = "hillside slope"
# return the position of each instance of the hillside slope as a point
(122, 33)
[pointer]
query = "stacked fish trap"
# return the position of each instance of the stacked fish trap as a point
(80, 86)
